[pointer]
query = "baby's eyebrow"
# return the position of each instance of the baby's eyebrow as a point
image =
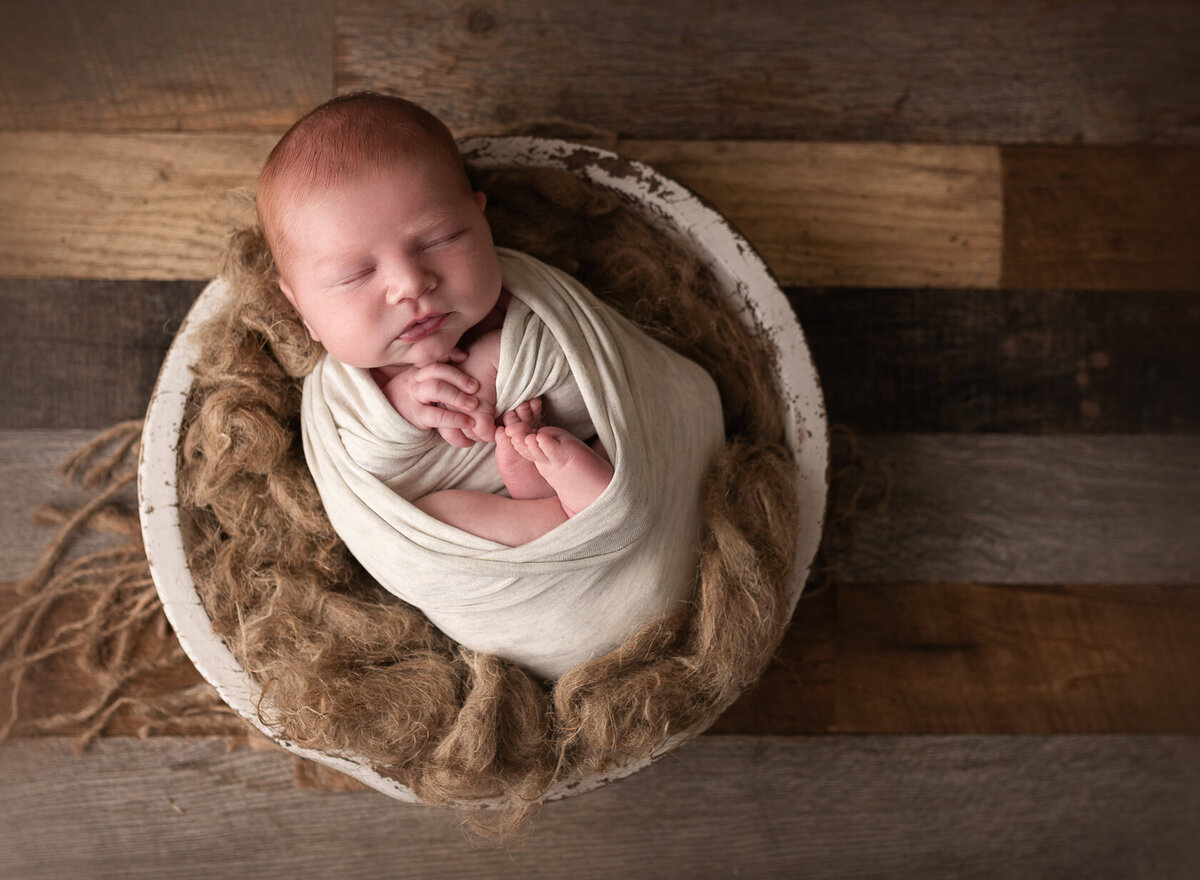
(435, 224)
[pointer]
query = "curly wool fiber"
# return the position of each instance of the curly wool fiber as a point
(346, 668)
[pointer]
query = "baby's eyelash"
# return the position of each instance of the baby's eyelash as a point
(445, 239)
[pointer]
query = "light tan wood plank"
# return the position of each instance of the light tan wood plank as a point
(971, 72)
(833, 807)
(156, 206)
(143, 65)
(851, 215)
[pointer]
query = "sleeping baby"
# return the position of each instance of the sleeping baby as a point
(492, 443)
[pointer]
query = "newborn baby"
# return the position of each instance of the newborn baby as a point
(494, 445)
(383, 250)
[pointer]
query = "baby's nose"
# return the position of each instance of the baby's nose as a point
(409, 282)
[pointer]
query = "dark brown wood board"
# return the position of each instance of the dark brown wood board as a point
(985, 71)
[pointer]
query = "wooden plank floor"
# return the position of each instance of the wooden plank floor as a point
(987, 220)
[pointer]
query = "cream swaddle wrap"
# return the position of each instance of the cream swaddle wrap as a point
(581, 589)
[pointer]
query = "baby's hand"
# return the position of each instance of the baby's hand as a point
(439, 396)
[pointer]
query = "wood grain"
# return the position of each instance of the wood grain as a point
(1013, 361)
(900, 655)
(141, 65)
(1001, 509)
(1105, 219)
(940, 658)
(97, 344)
(28, 472)
(876, 215)
(977, 72)
(912, 658)
(989, 509)
(830, 807)
(890, 361)
(159, 206)
(116, 206)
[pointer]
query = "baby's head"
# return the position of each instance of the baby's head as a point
(380, 242)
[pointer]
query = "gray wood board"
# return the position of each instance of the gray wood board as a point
(1017, 509)
(84, 354)
(1000, 509)
(924, 807)
(88, 65)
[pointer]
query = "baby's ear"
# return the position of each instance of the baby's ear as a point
(481, 200)
(291, 297)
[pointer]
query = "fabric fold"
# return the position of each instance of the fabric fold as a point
(580, 590)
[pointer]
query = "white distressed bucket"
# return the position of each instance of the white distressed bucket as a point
(742, 277)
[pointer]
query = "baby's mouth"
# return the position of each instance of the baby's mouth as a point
(418, 330)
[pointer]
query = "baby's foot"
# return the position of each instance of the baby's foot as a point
(572, 468)
(520, 475)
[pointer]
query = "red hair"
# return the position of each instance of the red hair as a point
(339, 140)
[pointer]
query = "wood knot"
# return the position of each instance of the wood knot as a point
(481, 20)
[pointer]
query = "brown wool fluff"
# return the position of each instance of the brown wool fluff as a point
(346, 668)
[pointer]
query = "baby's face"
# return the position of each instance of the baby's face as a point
(391, 269)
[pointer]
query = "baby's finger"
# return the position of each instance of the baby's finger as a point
(455, 437)
(447, 373)
(484, 427)
(447, 395)
(439, 418)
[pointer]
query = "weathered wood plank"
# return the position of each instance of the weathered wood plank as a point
(149, 66)
(28, 462)
(1004, 509)
(115, 206)
(896, 658)
(156, 206)
(982, 659)
(890, 215)
(991, 509)
(1107, 219)
(84, 354)
(1033, 361)
(890, 361)
(918, 807)
(902, 655)
(978, 72)
(917, 658)
(159, 206)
